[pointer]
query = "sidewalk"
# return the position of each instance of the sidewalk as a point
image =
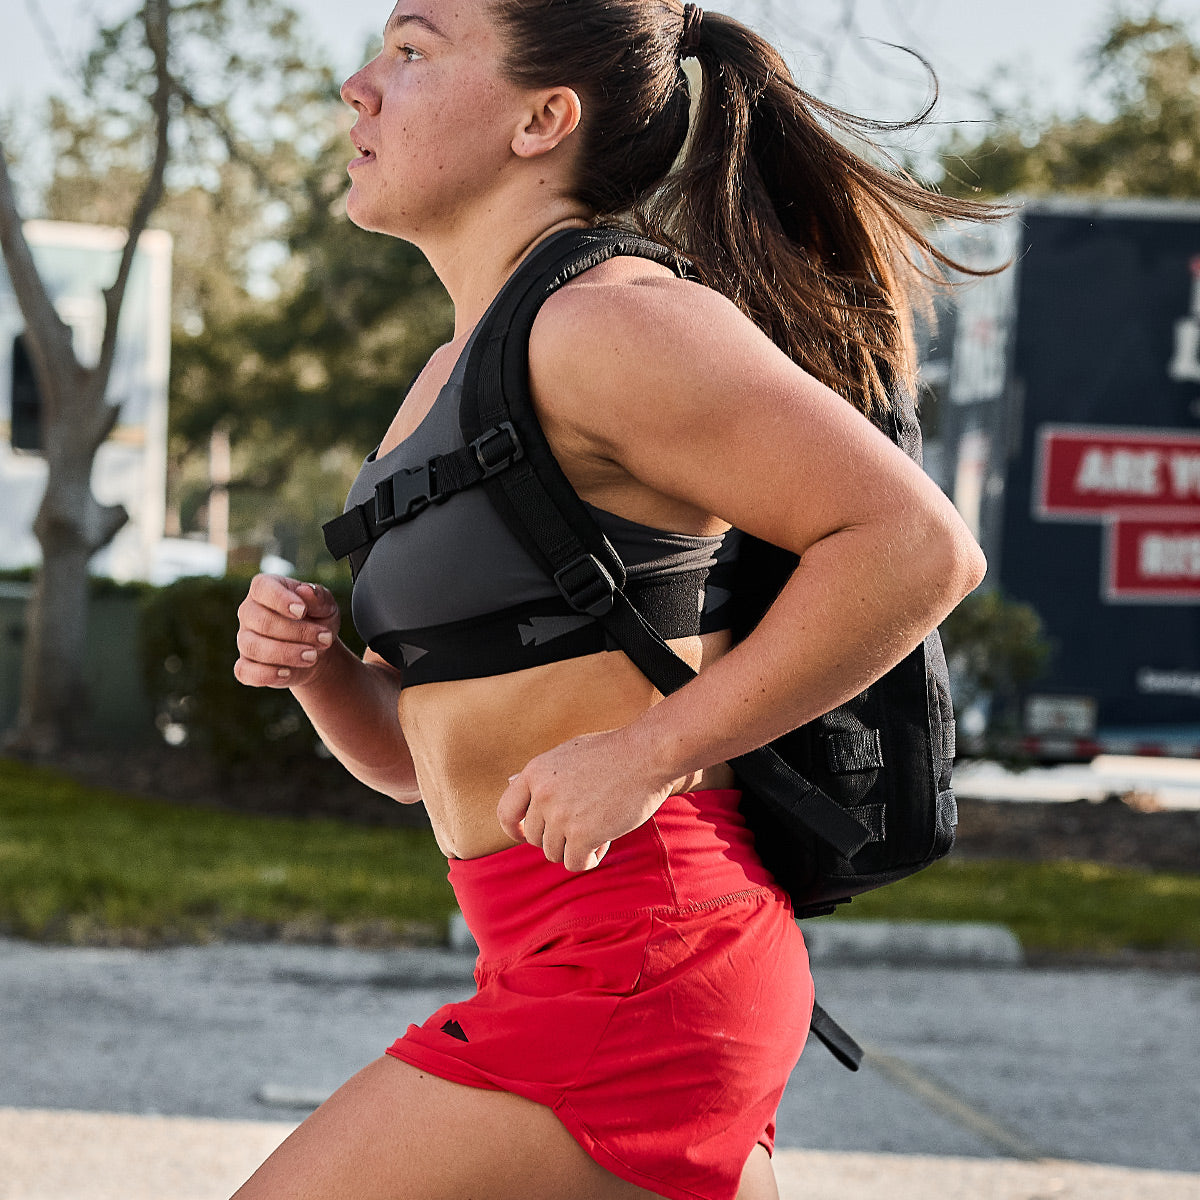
(94, 1156)
(1171, 783)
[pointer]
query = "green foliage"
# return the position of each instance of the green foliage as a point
(330, 358)
(81, 864)
(189, 633)
(307, 383)
(1148, 71)
(994, 646)
(295, 330)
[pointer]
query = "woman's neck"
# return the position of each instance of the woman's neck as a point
(474, 265)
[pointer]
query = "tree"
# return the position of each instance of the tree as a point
(1147, 71)
(994, 647)
(292, 329)
(71, 525)
(139, 86)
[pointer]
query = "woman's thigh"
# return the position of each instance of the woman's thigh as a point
(758, 1178)
(396, 1133)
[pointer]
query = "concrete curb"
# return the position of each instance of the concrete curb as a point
(894, 943)
(912, 943)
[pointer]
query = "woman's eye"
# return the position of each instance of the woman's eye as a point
(410, 53)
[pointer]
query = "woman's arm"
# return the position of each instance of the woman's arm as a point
(693, 403)
(288, 638)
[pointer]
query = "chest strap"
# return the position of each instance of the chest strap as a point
(409, 491)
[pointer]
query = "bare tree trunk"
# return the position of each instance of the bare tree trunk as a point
(71, 525)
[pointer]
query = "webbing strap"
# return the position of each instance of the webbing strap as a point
(535, 499)
(835, 1039)
(848, 751)
(409, 491)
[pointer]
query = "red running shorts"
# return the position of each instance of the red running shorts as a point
(657, 1003)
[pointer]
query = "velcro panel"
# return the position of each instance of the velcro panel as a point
(874, 817)
(856, 750)
(947, 813)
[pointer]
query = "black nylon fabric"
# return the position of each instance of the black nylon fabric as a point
(532, 634)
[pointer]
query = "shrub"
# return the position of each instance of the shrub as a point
(189, 632)
(994, 646)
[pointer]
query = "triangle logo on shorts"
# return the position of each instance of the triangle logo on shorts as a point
(455, 1030)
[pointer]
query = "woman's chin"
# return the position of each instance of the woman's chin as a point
(373, 221)
(361, 216)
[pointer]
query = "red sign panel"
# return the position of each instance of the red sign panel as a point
(1154, 557)
(1088, 472)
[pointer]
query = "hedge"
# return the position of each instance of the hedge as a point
(189, 645)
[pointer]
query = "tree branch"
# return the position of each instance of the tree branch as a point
(155, 18)
(104, 423)
(228, 138)
(49, 337)
(50, 41)
(105, 521)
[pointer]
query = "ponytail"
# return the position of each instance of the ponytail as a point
(822, 248)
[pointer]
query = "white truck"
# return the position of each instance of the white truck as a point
(77, 262)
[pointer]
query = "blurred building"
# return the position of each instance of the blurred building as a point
(1066, 428)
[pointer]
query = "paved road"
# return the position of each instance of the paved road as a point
(986, 1062)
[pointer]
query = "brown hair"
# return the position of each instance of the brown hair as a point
(821, 247)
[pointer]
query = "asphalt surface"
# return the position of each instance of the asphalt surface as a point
(988, 1078)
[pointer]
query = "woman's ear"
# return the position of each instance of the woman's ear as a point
(555, 115)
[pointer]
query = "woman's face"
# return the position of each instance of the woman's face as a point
(436, 118)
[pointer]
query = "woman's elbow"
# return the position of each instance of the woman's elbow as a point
(954, 557)
(974, 566)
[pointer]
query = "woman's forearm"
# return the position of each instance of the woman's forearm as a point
(844, 618)
(353, 706)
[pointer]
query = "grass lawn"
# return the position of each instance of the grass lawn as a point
(1058, 907)
(82, 864)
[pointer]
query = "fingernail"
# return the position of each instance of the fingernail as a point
(309, 656)
(297, 610)
(325, 638)
(284, 673)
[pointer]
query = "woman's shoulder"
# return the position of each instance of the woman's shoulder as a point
(631, 320)
(623, 292)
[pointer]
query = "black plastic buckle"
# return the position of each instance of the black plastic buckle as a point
(401, 496)
(497, 449)
(587, 586)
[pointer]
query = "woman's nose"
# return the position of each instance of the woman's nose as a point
(357, 91)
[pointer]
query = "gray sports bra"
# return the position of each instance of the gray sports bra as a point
(453, 594)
